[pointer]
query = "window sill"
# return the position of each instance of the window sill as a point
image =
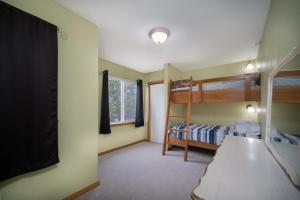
(120, 124)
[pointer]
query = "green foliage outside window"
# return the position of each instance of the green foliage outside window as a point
(122, 100)
(114, 90)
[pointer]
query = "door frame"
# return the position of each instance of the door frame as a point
(149, 106)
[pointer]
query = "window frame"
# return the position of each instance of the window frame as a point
(122, 81)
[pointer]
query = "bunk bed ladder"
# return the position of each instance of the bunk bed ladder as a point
(167, 120)
(187, 120)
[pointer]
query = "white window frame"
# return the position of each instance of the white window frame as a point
(122, 80)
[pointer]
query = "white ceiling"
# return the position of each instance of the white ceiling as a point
(203, 32)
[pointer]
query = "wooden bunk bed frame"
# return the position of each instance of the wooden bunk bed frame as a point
(248, 93)
(286, 94)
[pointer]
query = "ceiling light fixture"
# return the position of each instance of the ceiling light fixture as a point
(250, 108)
(159, 35)
(250, 66)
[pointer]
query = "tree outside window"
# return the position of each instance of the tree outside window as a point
(122, 100)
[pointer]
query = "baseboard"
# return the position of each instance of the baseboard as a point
(121, 147)
(82, 191)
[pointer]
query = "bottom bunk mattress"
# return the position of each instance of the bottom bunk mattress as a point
(211, 134)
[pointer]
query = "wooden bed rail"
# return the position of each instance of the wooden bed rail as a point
(288, 73)
(286, 94)
(246, 93)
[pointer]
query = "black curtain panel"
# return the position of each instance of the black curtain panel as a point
(139, 115)
(28, 88)
(104, 118)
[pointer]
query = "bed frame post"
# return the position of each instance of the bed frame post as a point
(247, 87)
(188, 118)
(167, 120)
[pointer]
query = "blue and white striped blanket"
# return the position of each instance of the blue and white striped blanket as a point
(285, 138)
(212, 134)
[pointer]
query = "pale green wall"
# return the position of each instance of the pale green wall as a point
(77, 109)
(286, 117)
(155, 76)
(171, 73)
(125, 134)
(220, 113)
(281, 34)
(152, 76)
(293, 64)
(231, 69)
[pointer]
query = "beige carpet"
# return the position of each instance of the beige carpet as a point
(140, 172)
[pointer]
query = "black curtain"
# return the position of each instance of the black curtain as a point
(28, 88)
(104, 119)
(139, 115)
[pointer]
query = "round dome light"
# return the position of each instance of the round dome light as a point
(159, 35)
(250, 66)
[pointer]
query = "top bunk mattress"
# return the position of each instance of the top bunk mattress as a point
(195, 88)
(286, 81)
(226, 85)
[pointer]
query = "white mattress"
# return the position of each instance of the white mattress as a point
(194, 88)
(287, 81)
(225, 85)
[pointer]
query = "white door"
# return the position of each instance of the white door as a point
(157, 121)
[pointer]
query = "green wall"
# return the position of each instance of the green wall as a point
(125, 134)
(232, 69)
(172, 73)
(155, 76)
(77, 109)
(281, 34)
(286, 117)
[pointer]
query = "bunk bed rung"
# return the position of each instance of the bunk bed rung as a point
(179, 130)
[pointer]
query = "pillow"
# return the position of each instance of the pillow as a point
(244, 126)
(252, 134)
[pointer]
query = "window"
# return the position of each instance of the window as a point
(122, 98)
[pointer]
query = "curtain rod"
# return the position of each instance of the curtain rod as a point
(117, 76)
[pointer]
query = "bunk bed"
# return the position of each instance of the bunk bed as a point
(216, 90)
(286, 87)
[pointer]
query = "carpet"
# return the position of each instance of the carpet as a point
(140, 172)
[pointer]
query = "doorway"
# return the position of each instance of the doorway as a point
(157, 112)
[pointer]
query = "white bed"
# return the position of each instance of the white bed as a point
(225, 85)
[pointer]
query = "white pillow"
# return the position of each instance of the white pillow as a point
(245, 126)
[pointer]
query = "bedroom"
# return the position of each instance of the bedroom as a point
(217, 44)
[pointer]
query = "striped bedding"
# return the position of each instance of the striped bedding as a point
(285, 138)
(212, 134)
